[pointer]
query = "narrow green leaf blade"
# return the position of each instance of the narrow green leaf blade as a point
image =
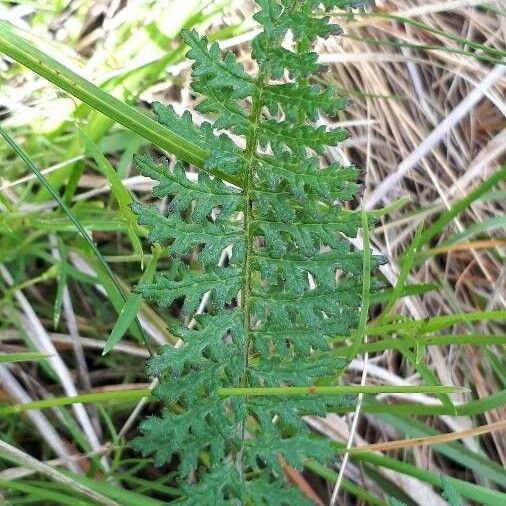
(73, 218)
(131, 307)
(17, 47)
(9, 358)
(114, 396)
(122, 195)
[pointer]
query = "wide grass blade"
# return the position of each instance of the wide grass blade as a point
(9, 358)
(21, 50)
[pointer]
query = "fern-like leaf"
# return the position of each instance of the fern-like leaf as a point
(290, 282)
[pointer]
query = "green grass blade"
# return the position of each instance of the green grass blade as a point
(122, 496)
(336, 390)
(427, 375)
(122, 195)
(469, 490)
(435, 324)
(444, 340)
(9, 358)
(383, 296)
(131, 307)
(116, 396)
(396, 43)
(499, 53)
(12, 454)
(460, 206)
(61, 278)
(366, 290)
(75, 221)
(455, 450)
(390, 208)
(472, 408)
(405, 268)
(487, 224)
(348, 486)
(41, 494)
(21, 50)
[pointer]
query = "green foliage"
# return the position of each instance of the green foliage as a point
(290, 282)
(450, 495)
(395, 502)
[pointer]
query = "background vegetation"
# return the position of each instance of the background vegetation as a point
(426, 125)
